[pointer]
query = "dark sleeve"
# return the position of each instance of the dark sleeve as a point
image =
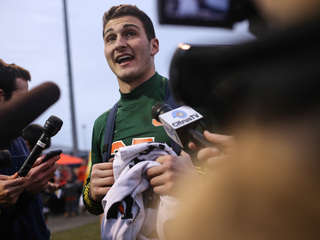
(13, 212)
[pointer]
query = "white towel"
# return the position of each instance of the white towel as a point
(132, 193)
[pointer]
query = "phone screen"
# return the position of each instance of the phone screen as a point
(51, 154)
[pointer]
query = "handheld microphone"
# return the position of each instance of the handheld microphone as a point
(180, 123)
(51, 128)
(5, 159)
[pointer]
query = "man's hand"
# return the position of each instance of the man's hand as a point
(40, 174)
(10, 189)
(167, 178)
(101, 180)
(224, 147)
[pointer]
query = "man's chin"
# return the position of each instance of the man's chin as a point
(127, 77)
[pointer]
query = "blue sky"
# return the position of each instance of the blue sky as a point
(32, 36)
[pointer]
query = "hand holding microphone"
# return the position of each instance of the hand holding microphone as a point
(10, 189)
(218, 155)
(51, 128)
(180, 124)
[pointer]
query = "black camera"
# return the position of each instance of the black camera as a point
(211, 13)
(276, 74)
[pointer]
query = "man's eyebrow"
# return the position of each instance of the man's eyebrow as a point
(124, 26)
(109, 30)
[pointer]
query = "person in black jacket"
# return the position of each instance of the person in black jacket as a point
(24, 219)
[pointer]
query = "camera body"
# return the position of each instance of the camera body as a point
(210, 13)
(275, 75)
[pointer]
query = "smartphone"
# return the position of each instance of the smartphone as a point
(51, 154)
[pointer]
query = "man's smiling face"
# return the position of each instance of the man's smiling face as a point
(128, 52)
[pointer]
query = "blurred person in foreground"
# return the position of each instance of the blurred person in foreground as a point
(270, 187)
(10, 186)
(25, 219)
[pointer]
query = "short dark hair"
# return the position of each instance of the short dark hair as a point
(130, 10)
(8, 75)
(20, 72)
(7, 79)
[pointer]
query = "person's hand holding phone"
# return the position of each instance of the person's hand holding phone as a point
(50, 155)
(40, 174)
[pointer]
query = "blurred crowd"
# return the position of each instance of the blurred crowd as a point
(66, 199)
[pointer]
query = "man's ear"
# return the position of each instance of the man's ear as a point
(154, 45)
(2, 96)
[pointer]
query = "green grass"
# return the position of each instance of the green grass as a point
(89, 231)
